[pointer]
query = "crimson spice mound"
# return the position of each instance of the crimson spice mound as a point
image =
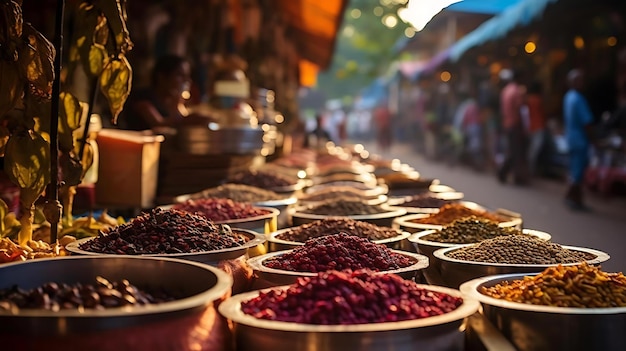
(220, 210)
(350, 297)
(165, 232)
(339, 252)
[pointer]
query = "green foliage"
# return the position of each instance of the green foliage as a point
(364, 48)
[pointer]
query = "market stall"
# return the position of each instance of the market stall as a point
(343, 239)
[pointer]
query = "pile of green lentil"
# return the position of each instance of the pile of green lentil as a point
(518, 249)
(469, 230)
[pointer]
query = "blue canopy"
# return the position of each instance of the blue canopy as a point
(482, 6)
(520, 14)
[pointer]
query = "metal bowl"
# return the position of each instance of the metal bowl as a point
(292, 190)
(266, 223)
(276, 244)
(274, 277)
(208, 257)
(384, 219)
(364, 194)
(402, 201)
(435, 187)
(199, 286)
(433, 273)
(281, 205)
(455, 272)
(365, 178)
(406, 222)
(368, 191)
(444, 332)
(533, 327)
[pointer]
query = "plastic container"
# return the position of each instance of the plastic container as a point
(128, 169)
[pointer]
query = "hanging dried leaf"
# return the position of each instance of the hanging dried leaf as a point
(115, 83)
(35, 108)
(10, 29)
(115, 11)
(71, 168)
(87, 160)
(4, 211)
(11, 86)
(4, 138)
(27, 161)
(70, 111)
(101, 33)
(36, 61)
(98, 58)
(82, 39)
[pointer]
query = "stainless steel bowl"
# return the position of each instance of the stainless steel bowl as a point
(403, 201)
(406, 222)
(266, 223)
(534, 327)
(283, 206)
(433, 273)
(456, 272)
(384, 219)
(276, 244)
(435, 187)
(364, 194)
(380, 189)
(365, 178)
(208, 257)
(199, 285)
(443, 332)
(274, 277)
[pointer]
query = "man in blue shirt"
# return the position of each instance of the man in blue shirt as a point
(578, 117)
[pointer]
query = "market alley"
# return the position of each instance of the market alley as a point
(541, 205)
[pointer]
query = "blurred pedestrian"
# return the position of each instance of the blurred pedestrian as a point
(536, 125)
(319, 136)
(382, 118)
(578, 119)
(514, 129)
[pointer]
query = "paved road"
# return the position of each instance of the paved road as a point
(541, 205)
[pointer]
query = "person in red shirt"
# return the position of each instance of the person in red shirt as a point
(536, 124)
(511, 102)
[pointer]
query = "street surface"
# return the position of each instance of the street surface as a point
(541, 205)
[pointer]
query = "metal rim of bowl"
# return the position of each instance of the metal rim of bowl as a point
(333, 189)
(231, 309)
(222, 287)
(380, 189)
(399, 202)
(256, 263)
(416, 238)
(271, 213)
(237, 251)
(470, 289)
(266, 203)
(300, 185)
(453, 196)
(378, 200)
(406, 221)
(366, 178)
(601, 257)
(272, 237)
(393, 212)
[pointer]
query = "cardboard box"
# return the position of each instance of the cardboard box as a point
(128, 168)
